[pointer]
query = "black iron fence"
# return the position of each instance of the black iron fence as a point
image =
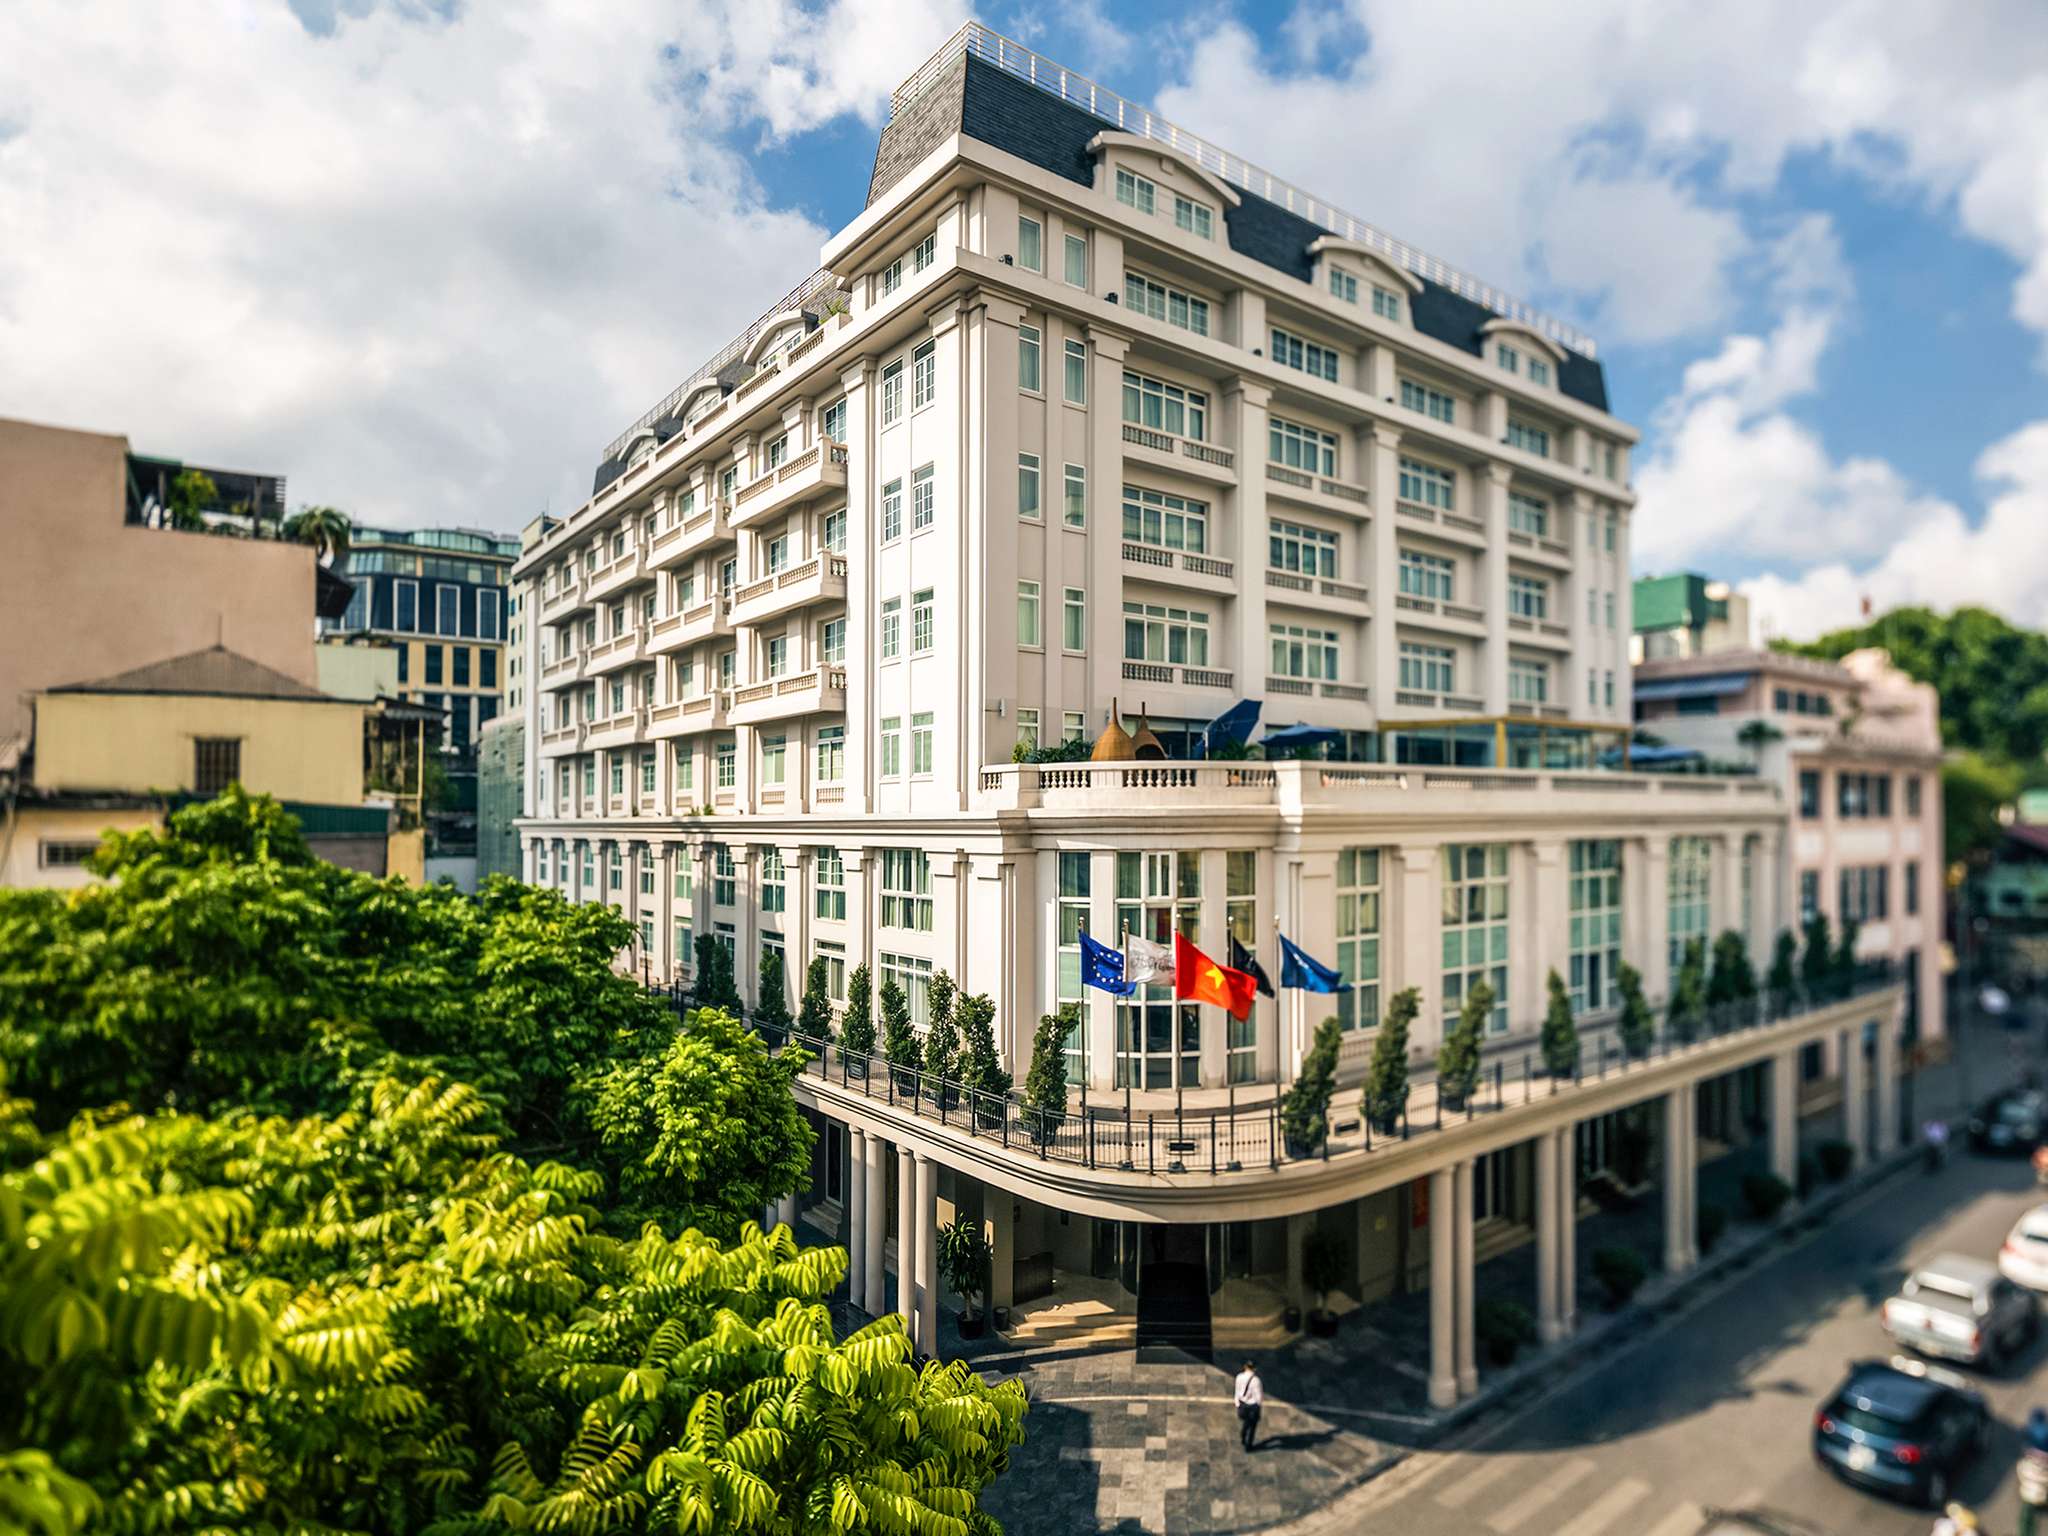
(1246, 1130)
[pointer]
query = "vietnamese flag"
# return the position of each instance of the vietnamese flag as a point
(1201, 980)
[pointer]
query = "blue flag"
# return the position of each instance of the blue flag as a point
(1298, 968)
(1103, 967)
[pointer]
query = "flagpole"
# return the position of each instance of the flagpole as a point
(1279, 1011)
(1123, 934)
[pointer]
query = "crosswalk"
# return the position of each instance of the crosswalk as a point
(1527, 1496)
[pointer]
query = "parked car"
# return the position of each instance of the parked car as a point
(2024, 1257)
(2012, 1122)
(1963, 1309)
(1901, 1428)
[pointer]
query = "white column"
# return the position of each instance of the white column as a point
(1855, 1101)
(1689, 1102)
(1443, 1378)
(927, 1257)
(1491, 484)
(1547, 1227)
(906, 1241)
(1298, 1227)
(875, 1220)
(1885, 1141)
(1568, 1232)
(1461, 1238)
(1785, 1116)
(999, 1213)
(1676, 1172)
(856, 1215)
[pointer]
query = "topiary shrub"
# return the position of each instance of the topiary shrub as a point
(1765, 1194)
(1305, 1109)
(1621, 1272)
(1809, 1175)
(1386, 1081)
(1836, 1157)
(1638, 1026)
(1503, 1328)
(1457, 1059)
(1559, 1041)
(857, 1032)
(1712, 1222)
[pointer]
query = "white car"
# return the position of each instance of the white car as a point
(2024, 1258)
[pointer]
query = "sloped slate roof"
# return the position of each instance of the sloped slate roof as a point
(215, 671)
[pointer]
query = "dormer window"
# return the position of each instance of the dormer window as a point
(1507, 357)
(1539, 372)
(1197, 219)
(1386, 303)
(1344, 286)
(1134, 191)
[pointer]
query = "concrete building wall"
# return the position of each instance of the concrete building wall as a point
(143, 743)
(83, 595)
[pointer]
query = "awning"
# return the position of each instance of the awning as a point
(1232, 728)
(1693, 687)
(1291, 738)
(1648, 757)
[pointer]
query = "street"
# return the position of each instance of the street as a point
(1715, 1411)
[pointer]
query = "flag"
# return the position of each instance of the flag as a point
(1146, 961)
(1298, 968)
(1242, 959)
(1200, 979)
(1103, 967)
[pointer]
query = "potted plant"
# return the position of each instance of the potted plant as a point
(1045, 1085)
(1559, 1041)
(714, 988)
(1503, 1328)
(1816, 957)
(1732, 980)
(1457, 1059)
(981, 1066)
(965, 1263)
(1305, 1109)
(1386, 1080)
(1712, 1222)
(857, 1032)
(771, 1013)
(1686, 1009)
(1637, 1026)
(1783, 979)
(814, 1013)
(1322, 1271)
(900, 1045)
(1765, 1194)
(942, 1043)
(1835, 1160)
(1620, 1271)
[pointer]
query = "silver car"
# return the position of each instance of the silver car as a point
(1961, 1308)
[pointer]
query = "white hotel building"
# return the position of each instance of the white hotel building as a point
(1083, 411)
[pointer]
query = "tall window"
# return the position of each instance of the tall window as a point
(216, 763)
(724, 877)
(834, 533)
(1163, 301)
(726, 758)
(1028, 630)
(1433, 403)
(774, 761)
(1295, 547)
(832, 641)
(1344, 285)
(1028, 477)
(921, 743)
(906, 889)
(921, 624)
(832, 422)
(924, 375)
(831, 754)
(1358, 937)
(1153, 632)
(1030, 245)
(1595, 924)
(1292, 351)
(834, 956)
(1427, 668)
(1074, 619)
(1528, 597)
(1527, 514)
(922, 498)
(1430, 576)
(1077, 261)
(647, 771)
(1809, 794)
(1507, 357)
(1528, 681)
(892, 510)
(1164, 521)
(1030, 359)
(1689, 886)
(892, 394)
(830, 878)
(914, 976)
(1529, 439)
(1076, 383)
(1075, 514)
(1298, 447)
(892, 746)
(1386, 303)
(1539, 372)
(1162, 407)
(1475, 927)
(1027, 725)
(1428, 486)
(1241, 918)
(926, 253)
(1073, 917)
(1134, 191)
(1304, 653)
(774, 880)
(892, 628)
(1159, 1041)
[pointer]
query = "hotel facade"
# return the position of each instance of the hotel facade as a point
(1084, 417)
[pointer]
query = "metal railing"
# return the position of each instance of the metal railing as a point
(1248, 1130)
(974, 40)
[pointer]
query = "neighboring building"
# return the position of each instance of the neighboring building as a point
(1686, 615)
(1074, 419)
(92, 585)
(356, 669)
(1856, 748)
(118, 752)
(500, 792)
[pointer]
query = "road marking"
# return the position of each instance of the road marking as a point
(1509, 1517)
(1490, 1471)
(1603, 1511)
(1682, 1521)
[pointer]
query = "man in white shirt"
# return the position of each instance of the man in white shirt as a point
(1251, 1395)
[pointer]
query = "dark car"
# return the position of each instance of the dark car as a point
(2012, 1122)
(1900, 1428)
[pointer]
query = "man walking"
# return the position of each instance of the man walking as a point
(1250, 1397)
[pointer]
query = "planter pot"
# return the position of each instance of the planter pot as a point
(1453, 1103)
(1322, 1324)
(1387, 1125)
(989, 1117)
(1299, 1150)
(855, 1069)
(970, 1327)
(1002, 1319)
(1291, 1319)
(1502, 1352)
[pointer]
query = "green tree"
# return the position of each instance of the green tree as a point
(1559, 1040)
(708, 1127)
(1045, 1084)
(192, 494)
(942, 1049)
(1783, 979)
(900, 1045)
(814, 1013)
(1386, 1079)
(1974, 789)
(1733, 978)
(1637, 1026)
(981, 1064)
(771, 1010)
(325, 528)
(857, 1031)
(1685, 1010)
(966, 1261)
(1305, 1108)
(1458, 1057)
(715, 985)
(1842, 971)
(1817, 957)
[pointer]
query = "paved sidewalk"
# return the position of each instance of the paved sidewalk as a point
(1123, 1444)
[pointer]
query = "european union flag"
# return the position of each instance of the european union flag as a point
(1103, 968)
(1298, 968)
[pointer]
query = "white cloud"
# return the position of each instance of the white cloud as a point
(427, 266)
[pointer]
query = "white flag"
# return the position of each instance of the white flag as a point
(1146, 961)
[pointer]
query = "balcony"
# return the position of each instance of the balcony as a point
(619, 574)
(701, 530)
(702, 621)
(822, 690)
(820, 579)
(1304, 688)
(686, 717)
(1174, 675)
(619, 651)
(568, 597)
(562, 670)
(562, 741)
(809, 473)
(1212, 575)
(1205, 459)
(1318, 490)
(1320, 592)
(1430, 613)
(621, 730)
(1554, 552)
(1454, 703)
(1541, 631)
(1466, 530)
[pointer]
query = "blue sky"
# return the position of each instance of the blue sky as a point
(427, 256)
